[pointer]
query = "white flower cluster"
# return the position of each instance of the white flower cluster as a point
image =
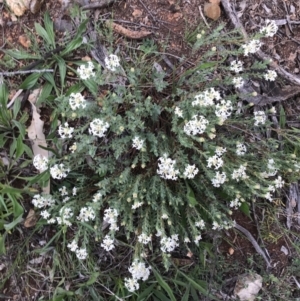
(40, 162)
(241, 149)
(271, 169)
(97, 197)
(112, 62)
(42, 201)
(111, 216)
(139, 271)
(178, 112)
(136, 205)
(168, 244)
(220, 150)
(66, 131)
(270, 29)
(190, 171)
(58, 171)
(98, 127)
(270, 75)
(219, 179)
(259, 117)
(251, 47)
(86, 214)
(223, 109)
(236, 203)
(86, 71)
(224, 225)
(80, 253)
(77, 101)
(206, 98)
(279, 183)
(65, 214)
(215, 161)
(137, 143)
(238, 82)
(200, 224)
(144, 238)
(166, 168)
(197, 239)
(196, 126)
(73, 147)
(239, 173)
(236, 66)
(108, 243)
(63, 190)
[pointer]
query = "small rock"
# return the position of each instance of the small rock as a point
(24, 41)
(248, 286)
(18, 7)
(212, 10)
(137, 13)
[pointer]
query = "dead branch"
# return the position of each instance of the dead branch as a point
(261, 55)
(128, 33)
(25, 72)
(99, 4)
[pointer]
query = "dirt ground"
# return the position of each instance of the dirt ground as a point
(170, 22)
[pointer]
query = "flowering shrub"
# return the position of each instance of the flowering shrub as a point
(161, 158)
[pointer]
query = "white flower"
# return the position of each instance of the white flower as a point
(137, 143)
(200, 224)
(144, 239)
(236, 66)
(63, 191)
(215, 161)
(235, 203)
(73, 246)
(165, 216)
(196, 126)
(98, 127)
(268, 196)
(51, 220)
(239, 173)
(166, 168)
(178, 112)
(139, 271)
(270, 75)
(81, 253)
(168, 244)
(45, 214)
(270, 29)
(131, 284)
(40, 162)
(219, 179)
(190, 171)
(86, 71)
(136, 205)
(74, 191)
(206, 98)
(108, 243)
(42, 201)
(251, 47)
(238, 82)
(58, 171)
(65, 214)
(86, 214)
(241, 149)
(186, 240)
(73, 147)
(259, 117)
(66, 199)
(66, 131)
(279, 183)
(197, 239)
(97, 197)
(77, 101)
(110, 216)
(112, 62)
(220, 150)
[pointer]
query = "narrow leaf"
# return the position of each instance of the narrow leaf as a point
(30, 81)
(164, 284)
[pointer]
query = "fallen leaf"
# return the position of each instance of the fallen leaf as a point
(215, 1)
(37, 260)
(31, 219)
(127, 32)
(137, 13)
(86, 59)
(18, 7)
(212, 10)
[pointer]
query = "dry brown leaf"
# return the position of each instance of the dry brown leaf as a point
(127, 32)
(18, 7)
(215, 1)
(31, 219)
(137, 13)
(212, 11)
(86, 58)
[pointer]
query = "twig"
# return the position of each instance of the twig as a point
(148, 10)
(14, 98)
(25, 72)
(137, 24)
(203, 17)
(261, 55)
(99, 4)
(254, 243)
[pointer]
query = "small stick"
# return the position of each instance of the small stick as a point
(99, 4)
(25, 72)
(148, 10)
(14, 98)
(203, 17)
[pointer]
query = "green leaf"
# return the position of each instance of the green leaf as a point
(93, 278)
(161, 296)
(49, 29)
(62, 70)
(46, 91)
(77, 88)
(3, 94)
(186, 295)
(43, 33)
(191, 196)
(19, 148)
(16, 108)
(61, 291)
(245, 208)
(146, 293)
(30, 81)
(92, 86)
(282, 117)
(164, 284)
(2, 244)
(21, 55)
(11, 225)
(74, 44)
(20, 127)
(50, 78)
